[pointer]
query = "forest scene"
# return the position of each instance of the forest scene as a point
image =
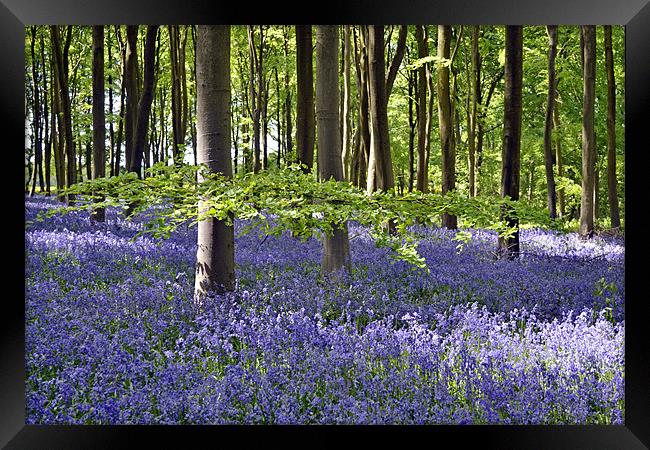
(325, 224)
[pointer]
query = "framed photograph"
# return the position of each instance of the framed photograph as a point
(403, 221)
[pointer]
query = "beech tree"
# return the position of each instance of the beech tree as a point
(445, 121)
(586, 228)
(215, 256)
(99, 122)
(548, 123)
(612, 194)
(336, 253)
(510, 155)
(305, 101)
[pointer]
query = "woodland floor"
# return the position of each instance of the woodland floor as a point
(112, 336)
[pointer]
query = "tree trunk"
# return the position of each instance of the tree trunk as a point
(611, 131)
(144, 105)
(132, 95)
(558, 155)
(215, 257)
(305, 103)
(346, 152)
(412, 86)
(38, 132)
(511, 153)
(99, 119)
(64, 100)
(548, 127)
(363, 153)
(445, 120)
(336, 254)
(378, 112)
(422, 184)
(474, 94)
(46, 113)
(588, 134)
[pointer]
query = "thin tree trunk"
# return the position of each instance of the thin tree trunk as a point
(511, 153)
(215, 257)
(336, 254)
(64, 99)
(473, 94)
(611, 131)
(144, 105)
(558, 155)
(412, 86)
(132, 95)
(305, 102)
(588, 133)
(99, 119)
(38, 132)
(346, 152)
(422, 184)
(550, 102)
(46, 113)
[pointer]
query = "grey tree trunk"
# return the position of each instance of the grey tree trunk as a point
(305, 102)
(550, 102)
(611, 131)
(346, 152)
(586, 228)
(511, 153)
(445, 120)
(99, 121)
(215, 256)
(336, 254)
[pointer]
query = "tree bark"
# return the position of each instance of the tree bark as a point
(144, 105)
(305, 102)
(346, 152)
(511, 153)
(611, 131)
(380, 153)
(586, 228)
(64, 100)
(215, 257)
(445, 120)
(422, 184)
(38, 131)
(46, 113)
(474, 95)
(132, 95)
(548, 124)
(336, 254)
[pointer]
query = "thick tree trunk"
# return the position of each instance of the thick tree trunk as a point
(215, 257)
(611, 131)
(336, 254)
(422, 184)
(363, 152)
(548, 127)
(288, 128)
(588, 133)
(64, 100)
(511, 153)
(99, 119)
(445, 120)
(305, 103)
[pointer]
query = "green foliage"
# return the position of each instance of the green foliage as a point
(289, 200)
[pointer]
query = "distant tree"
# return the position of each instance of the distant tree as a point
(548, 123)
(510, 155)
(215, 257)
(99, 122)
(611, 131)
(336, 253)
(305, 103)
(60, 62)
(586, 228)
(144, 104)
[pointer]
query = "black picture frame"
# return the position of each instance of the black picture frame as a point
(634, 14)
